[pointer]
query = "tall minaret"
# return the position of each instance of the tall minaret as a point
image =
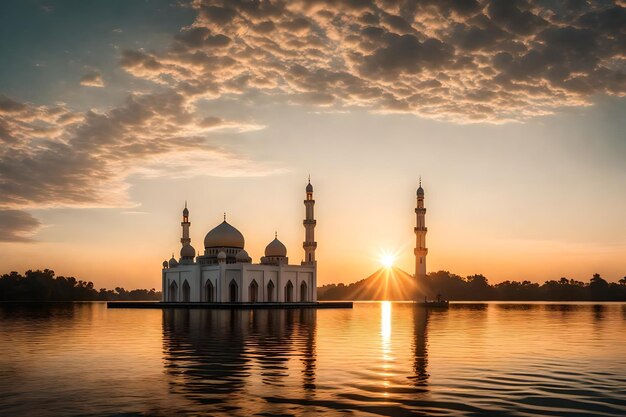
(185, 240)
(420, 237)
(309, 244)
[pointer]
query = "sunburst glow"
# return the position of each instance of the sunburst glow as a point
(387, 260)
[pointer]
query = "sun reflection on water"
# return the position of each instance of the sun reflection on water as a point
(385, 332)
(385, 322)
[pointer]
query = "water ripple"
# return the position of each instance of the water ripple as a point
(389, 359)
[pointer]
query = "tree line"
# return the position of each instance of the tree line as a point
(45, 286)
(477, 288)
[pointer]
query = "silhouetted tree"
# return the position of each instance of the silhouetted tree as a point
(479, 286)
(598, 287)
(450, 285)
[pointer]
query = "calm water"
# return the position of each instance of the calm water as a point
(376, 359)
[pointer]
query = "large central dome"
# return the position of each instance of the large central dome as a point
(224, 236)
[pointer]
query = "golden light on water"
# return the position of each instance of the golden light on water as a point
(385, 321)
(385, 333)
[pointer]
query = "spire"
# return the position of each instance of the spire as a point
(275, 235)
(185, 212)
(309, 187)
(224, 216)
(420, 180)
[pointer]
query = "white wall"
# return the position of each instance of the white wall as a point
(243, 274)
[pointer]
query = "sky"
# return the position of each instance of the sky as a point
(113, 114)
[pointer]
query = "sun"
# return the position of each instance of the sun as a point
(387, 260)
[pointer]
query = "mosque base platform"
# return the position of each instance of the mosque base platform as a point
(228, 306)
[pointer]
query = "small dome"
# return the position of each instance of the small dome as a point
(309, 188)
(275, 249)
(224, 236)
(187, 251)
(221, 255)
(185, 212)
(242, 256)
(173, 262)
(420, 191)
(165, 264)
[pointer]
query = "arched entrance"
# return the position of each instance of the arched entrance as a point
(289, 292)
(173, 292)
(186, 292)
(233, 291)
(270, 292)
(253, 292)
(209, 292)
(304, 293)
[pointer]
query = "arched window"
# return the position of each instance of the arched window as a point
(304, 296)
(253, 292)
(173, 292)
(270, 291)
(233, 290)
(186, 292)
(289, 292)
(209, 292)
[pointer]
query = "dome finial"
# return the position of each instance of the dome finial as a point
(185, 203)
(275, 248)
(275, 235)
(224, 216)
(420, 190)
(309, 178)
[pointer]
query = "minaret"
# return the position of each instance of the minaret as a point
(309, 244)
(185, 240)
(420, 238)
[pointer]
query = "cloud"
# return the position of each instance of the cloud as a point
(92, 79)
(464, 61)
(53, 157)
(17, 226)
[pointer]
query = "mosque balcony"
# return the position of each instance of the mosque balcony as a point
(309, 245)
(420, 229)
(309, 222)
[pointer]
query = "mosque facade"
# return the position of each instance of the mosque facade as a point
(225, 273)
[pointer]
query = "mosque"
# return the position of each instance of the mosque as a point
(225, 272)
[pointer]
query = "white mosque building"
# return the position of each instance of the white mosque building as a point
(225, 272)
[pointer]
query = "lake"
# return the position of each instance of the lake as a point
(378, 359)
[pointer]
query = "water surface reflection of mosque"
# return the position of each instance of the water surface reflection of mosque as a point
(268, 362)
(221, 357)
